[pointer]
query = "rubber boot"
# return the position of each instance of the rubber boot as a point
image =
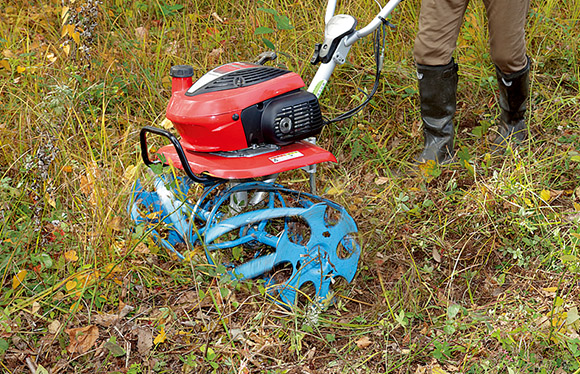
(437, 93)
(513, 101)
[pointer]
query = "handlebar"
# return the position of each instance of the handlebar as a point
(368, 29)
(202, 179)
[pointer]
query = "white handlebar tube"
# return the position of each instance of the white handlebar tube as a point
(325, 70)
(321, 78)
(330, 7)
(374, 24)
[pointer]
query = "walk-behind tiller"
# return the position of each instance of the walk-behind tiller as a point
(242, 124)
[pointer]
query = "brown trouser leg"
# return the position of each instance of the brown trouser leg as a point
(440, 22)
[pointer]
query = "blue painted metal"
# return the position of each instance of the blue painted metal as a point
(317, 261)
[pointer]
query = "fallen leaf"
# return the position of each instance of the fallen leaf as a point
(436, 255)
(115, 224)
(421, 369)
(381, 180)
(111, 269)
(70, 31)
(8, 53)
(429, 170)
(172, 48)
(334, 191)
(50, 200)
(166, 124)
(237, 335)
(86, 185)
(437, 369)
(115, 349)
(76, 37)
(129, 174)
(124, 309)
(142, 248)
(363, 342)
(20, 69)
(18, 278)
(545, 195)
(66, 48)
(35, 307)
(66, 30)
(82, 339)
(70, 285)
(63, 13)
(216, 52)
(572, 316)
(141, 33)
(54, 327)
(76, 307)
(144, 341)
(161, 337)
(106, 320)
(71, 255)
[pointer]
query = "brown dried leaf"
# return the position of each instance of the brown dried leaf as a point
(35, 307)
(71, 255)
(86, 185)
(436, 255)
(141, 33)
(115, 224)
(142, 248)
(54, 327)
(215, 53)
(106, 320)
(124, 309)
(144, 341)
(363, 342)
(82, 339)
(381, 180)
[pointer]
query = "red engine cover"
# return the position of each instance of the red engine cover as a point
(207, 115)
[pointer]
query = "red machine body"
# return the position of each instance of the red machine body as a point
(208, 115)
(289, 157)
(243, 120)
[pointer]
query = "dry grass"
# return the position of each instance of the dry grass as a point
(474, 270)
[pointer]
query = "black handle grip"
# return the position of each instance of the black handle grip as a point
(180, 153)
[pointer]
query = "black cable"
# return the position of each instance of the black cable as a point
(379, 50)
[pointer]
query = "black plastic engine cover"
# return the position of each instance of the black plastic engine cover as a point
(283, 119)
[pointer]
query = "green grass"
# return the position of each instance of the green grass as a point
(470, 269)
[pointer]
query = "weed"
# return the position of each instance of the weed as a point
(471, 267)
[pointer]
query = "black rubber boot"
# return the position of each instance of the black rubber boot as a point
(437, 93)
(513, 100)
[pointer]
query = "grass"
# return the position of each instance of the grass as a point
(472, 268)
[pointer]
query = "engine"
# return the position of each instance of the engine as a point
(238, 105)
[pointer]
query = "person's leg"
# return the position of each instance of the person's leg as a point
(439, 25)
(437, 92)
(507, 20)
